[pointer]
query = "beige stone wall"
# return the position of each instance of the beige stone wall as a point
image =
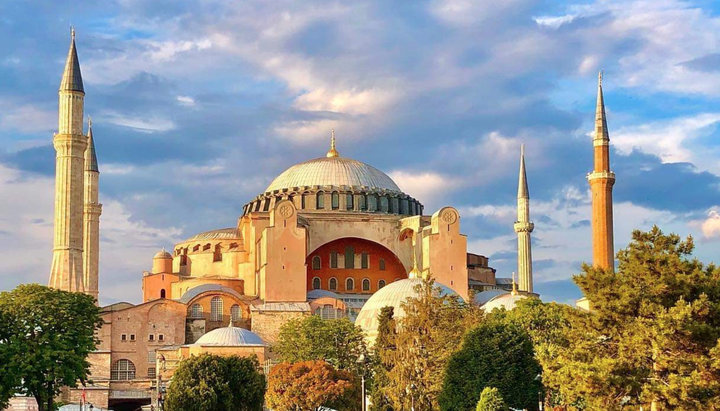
(267, 324)
(283, 272)
(445, 251)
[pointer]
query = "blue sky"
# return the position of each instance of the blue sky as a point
(197, 105)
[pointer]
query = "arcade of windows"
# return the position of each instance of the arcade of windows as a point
(381, 202)
(349, 284)
(349, 260)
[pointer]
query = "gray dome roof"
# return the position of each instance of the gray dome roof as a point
(333, 171)
(392, 295)
(230, 337)
(195, 291)
(506, 300)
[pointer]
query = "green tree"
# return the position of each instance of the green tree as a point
(651, 337)
(491, 400)
(339, 342)
(382, 360)
(427, 336)
(308, 385)
(46, 338)
(212, 382)
(495, 354)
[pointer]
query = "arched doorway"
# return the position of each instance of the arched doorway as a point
(352, 266)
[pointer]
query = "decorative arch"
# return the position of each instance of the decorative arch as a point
(122, 370)
(358, 259)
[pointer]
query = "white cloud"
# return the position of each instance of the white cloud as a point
(428, 187)
(146, 125)
(26, 118)
(185, 100)
(711, 226)
(26, 229)
(673, 140)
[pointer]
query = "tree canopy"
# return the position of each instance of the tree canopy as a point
(651, 336)
(382, 360)
(307, 385)
(216, 383)
(46, 337)
(491, 400)
(495, 354)
(426, 337)
(339, 342)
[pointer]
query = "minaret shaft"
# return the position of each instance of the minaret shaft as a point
(523, 227)
(601, 183)
(66, 272)
(91, 219)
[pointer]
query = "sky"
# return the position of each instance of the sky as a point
(198, 105)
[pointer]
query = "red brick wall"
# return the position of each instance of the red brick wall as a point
(393, 268)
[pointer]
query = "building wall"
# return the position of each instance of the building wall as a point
(445, 251)
(204, 300)
(394, 269)
(266, 324)
(152, 284)
(282, 257)
(181, 286)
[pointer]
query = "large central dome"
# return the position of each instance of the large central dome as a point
(333, 171)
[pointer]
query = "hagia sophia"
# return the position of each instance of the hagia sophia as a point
(331, 236)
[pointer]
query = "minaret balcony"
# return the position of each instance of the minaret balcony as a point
(601, 175)
(523, 227)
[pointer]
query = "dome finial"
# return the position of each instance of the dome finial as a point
(332, 152)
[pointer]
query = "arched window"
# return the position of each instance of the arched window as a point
(316, 283)
(384, 204)
(349, 257)
(217, 255)
(216, 308)
(404, 207)
(366, 284)
(382, 264)
(394, 205)
(332, 284)
(349, 284)
(302, 200)
(349, 202)
(333, 259)
(320, 200)
(122, 370)
(371, 202)
(335, 200)
(235, 313)
(316, 262)
(362, 203)
(196, 311)
(381, 284)
(162, 293)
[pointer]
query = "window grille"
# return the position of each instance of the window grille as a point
(316, 283)
(332, 284)
(216, 309)
(349, 284)
(235, 313)
(366, 285)
(196, 311)
(122, 370)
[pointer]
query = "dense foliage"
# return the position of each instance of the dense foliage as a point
(339, 342)
(495, 354)
(426, 337)
(382, 360)
(491, 400)
(45, 338)
(651, 336)
(211, 382)
(308, 385)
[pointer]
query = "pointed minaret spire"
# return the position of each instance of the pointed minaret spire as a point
(332, 152)
(523, 227)
(72, 78)
(601, 182)
(91, 163)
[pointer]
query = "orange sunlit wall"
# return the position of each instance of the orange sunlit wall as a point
(158, 286)
(377, 256)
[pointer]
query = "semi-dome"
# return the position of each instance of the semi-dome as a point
(231, 233)
(392, 295)
(230, 337)
(333, 171)
(506, 300)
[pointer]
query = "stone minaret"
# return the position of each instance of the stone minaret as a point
(523, 228)
(91, 218)
(601, 183)
(66, 272)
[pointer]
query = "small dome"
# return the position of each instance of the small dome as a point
(484, 296)
(230, 337)
(315, 294)
(163, 254)
(392, 295)
(506, 300)
(333, 171)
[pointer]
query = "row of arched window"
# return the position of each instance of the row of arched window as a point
(349, 284)
(216, 310)
(365, 202)
(349, 260)
(217, 252)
